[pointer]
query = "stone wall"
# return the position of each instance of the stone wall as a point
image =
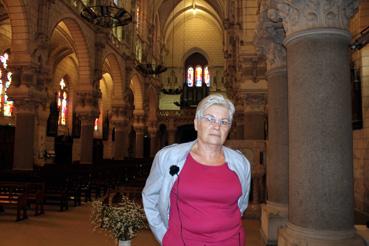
(361, 136)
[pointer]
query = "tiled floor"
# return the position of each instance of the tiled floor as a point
(72, 228)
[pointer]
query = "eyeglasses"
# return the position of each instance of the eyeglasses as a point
(212, 120)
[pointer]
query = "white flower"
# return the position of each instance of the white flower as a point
(122, 220)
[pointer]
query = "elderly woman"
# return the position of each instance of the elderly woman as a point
(197, 192)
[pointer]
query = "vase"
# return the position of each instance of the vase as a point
(124, 243)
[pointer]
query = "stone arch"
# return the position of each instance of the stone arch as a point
(112, 66)
(194, 50)
(106, 88)
(137, 88)
(20, 31)
(80, 47)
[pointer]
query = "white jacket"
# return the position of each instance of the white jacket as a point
(156, 193)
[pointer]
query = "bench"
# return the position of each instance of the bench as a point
(14, 195)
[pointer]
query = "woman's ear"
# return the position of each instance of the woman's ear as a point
(195, 124)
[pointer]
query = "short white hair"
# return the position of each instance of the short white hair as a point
(215, 99)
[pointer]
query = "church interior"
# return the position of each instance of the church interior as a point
(90, 90)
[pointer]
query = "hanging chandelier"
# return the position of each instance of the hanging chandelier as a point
(106, 15)
(150, 69)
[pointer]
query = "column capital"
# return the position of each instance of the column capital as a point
(87, 104)
(23, 74)
(138, 119)
(119, 116)
(300, 15)
(152, 127)
(269, 40)
(26, 98)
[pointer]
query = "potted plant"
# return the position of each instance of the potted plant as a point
(122, 219)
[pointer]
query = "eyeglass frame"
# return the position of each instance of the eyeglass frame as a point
(212, 120)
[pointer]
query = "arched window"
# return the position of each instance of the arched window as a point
(96, 125)
(6, 106)
(198, 76)
(207, 76)
(190, 76)
(63, 102)
(197, 83)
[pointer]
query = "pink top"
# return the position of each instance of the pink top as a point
(206, 212)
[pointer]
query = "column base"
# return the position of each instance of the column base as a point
(294, 235)
(273, 217)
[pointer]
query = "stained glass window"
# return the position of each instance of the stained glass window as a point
(198, 76)
(197, 80)
(207, 76)
(63, 102)
(96, 126)
(6, 106)
(190, 77)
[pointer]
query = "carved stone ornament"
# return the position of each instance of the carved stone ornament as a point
(87, 105)
(26, 98)
(119, 117)
(269, 39)
(138, 119)
(300, 15)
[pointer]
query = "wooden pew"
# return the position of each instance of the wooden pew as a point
(13, 194)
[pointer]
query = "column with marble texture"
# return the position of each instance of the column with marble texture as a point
(268, 40)
(320, 210)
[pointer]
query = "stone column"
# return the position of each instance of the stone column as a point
(87, 110)
(24, 134)
(153, 130)
(320, 135)
(171, 132)
(274, 213)
(27, 96)
(138, 124)
(87, 137)
(40, 141)
(119, 121)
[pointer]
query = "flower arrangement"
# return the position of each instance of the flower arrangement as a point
(121, 220)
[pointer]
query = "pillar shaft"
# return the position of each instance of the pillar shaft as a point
(139, 142)
(119, 144)
(320, 138)
(269, 39)
(171, 136)
(153, 144)
(24, 141)
(26, 100)
(320, 132)
(277, 155)
(87, 110)
(87, 137)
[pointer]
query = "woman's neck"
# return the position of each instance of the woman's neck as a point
(208, 153)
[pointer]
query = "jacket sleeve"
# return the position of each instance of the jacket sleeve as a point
(247, 174)
(150, 199)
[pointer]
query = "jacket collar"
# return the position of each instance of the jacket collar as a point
(184, 151)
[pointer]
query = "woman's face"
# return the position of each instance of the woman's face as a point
(212, 128)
